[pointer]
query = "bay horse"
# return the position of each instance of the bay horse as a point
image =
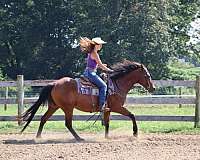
(63, 94)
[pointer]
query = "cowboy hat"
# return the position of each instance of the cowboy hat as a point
(98, 40)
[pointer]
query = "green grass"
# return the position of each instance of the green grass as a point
(145, 127)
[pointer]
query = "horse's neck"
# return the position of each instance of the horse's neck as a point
(126, 82)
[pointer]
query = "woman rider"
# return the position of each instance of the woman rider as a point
(91, 47)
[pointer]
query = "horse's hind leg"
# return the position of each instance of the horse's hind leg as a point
(125, 112)
(68, 124)
(44, 118)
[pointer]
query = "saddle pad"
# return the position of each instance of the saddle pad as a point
(86, 89)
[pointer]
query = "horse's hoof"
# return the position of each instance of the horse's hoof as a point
(38, 136)
(80, 140)
(135, 135)
(107, 137)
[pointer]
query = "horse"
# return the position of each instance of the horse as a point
(63, 94)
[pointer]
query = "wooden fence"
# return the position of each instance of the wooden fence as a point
(154, 99)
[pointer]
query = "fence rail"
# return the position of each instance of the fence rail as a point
(156, 99)
(112, 117)
(159, 83)
(161, 99)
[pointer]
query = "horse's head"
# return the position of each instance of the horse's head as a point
(130, 73)
(145, 79)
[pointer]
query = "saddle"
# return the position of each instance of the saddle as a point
(86, 82)
(86, 87)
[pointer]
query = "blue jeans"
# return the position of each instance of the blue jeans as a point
(94, 78)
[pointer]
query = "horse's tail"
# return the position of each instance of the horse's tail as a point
(29, 114)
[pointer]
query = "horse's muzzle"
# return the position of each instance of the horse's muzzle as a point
(152, 89)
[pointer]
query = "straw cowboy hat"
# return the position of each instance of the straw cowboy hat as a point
(98, 40)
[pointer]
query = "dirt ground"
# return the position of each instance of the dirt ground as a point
(120, 146)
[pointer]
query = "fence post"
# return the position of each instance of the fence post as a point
(20, 96)
(180, 93)
(6, 97)
(197, 107)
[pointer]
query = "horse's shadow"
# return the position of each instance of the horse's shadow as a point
(41, 141)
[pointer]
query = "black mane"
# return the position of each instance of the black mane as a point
(123, 68)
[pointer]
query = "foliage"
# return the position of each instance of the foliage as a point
(1, 75)
(182, 71)
(38, 38)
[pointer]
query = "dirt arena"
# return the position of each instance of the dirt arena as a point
(120, 146)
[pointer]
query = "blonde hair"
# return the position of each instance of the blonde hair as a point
(86, 45)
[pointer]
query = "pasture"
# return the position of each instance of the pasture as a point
(83, 126)
(156, 140)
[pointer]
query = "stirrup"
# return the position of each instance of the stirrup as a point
(102, 118)
(104, 109)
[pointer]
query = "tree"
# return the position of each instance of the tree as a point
(38, 38)
(37, 34)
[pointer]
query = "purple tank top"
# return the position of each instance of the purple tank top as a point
(91, 63)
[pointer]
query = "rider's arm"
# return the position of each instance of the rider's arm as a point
(96, 57)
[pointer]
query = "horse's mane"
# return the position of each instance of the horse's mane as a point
(123, 68)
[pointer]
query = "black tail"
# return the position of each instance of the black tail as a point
(29, 114)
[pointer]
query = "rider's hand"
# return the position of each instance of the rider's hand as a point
(110, 71)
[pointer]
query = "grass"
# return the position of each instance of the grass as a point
(145, 127)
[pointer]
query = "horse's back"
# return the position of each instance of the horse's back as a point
(64, 80)
(64, 90)
(65, 83)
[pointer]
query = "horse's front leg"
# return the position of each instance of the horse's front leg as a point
(125, 112)
(106, 123)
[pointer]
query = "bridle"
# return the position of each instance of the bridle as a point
(147, 76)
